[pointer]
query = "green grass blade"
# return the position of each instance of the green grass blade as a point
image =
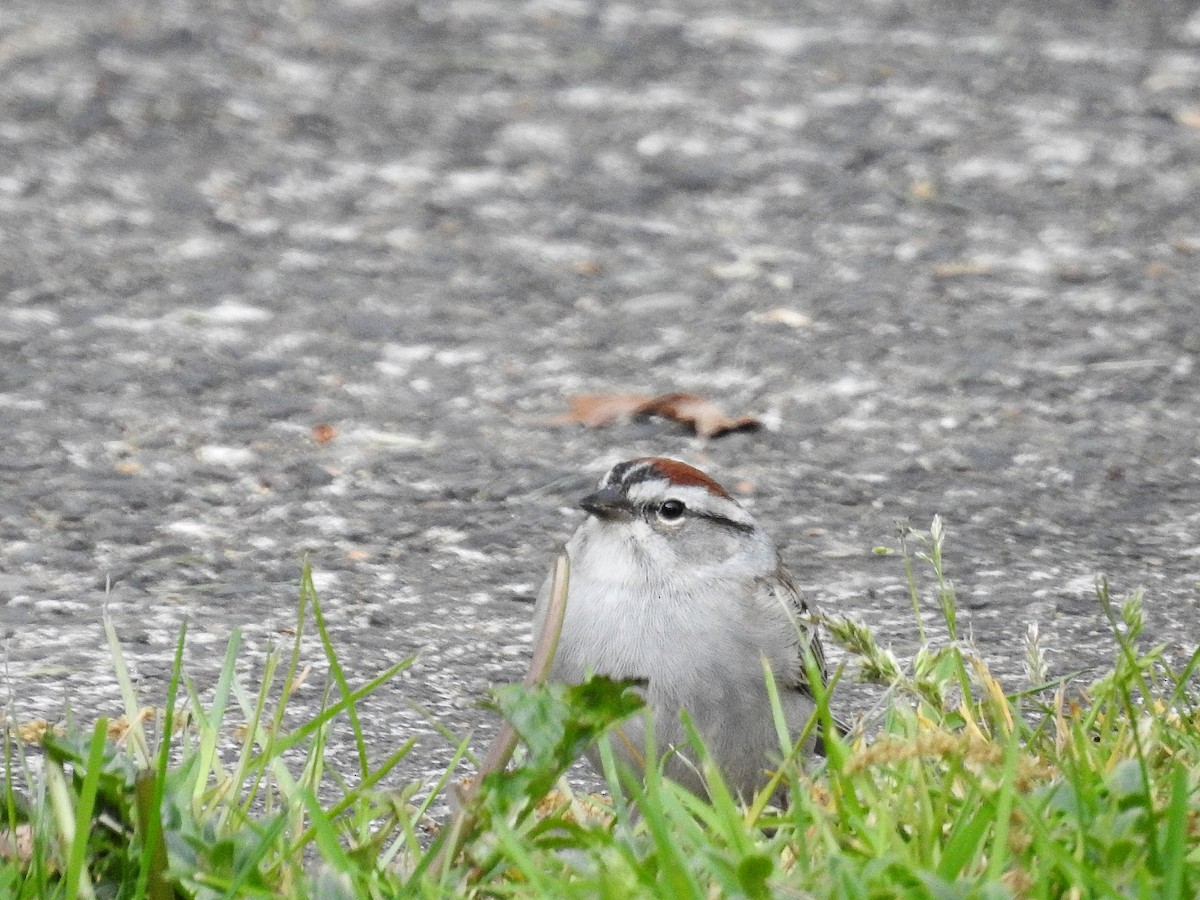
(966, 838)
(302, 733)
(11, 749)
(1179, 695)
(267, 841)
(137, 734)
(1005, 794)
(529, 869)
(1175, 837)
(255, 766)
(307, 592)
(268, 761)
(216, 716)
(444, 838)
(63, 810)
(326, 837)
(725, 819)
(152, 873)
(910, 578)
(339, 676)
(676, 879)
(85, 804)
(372, 779)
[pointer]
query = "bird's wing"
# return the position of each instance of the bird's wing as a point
(807, 628)
(807, 632)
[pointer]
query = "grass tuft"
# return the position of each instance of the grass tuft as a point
(961, 785)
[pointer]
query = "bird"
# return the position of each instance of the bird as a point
(674, 584)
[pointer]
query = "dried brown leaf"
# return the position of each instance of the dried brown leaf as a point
(587, 267)
(1189, 117)
(324, 433)
(701, 415)
(16, 844)
(704, 416)
(118, 729)
(598, 410)
(33, 731)
(959, 269)
(783, 316)
(922, 189)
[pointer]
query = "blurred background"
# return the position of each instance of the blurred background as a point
(316, 280)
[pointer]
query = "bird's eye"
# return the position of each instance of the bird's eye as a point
(671, 510)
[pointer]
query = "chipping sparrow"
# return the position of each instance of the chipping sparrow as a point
(673, 583)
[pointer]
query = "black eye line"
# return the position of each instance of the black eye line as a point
(715, 518)
(728, 523)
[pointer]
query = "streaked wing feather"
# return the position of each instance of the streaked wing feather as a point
(800, 606)
(814, 641)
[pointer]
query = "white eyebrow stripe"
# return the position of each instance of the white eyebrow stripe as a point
(695, 497)
(645, 491)
(661, 489)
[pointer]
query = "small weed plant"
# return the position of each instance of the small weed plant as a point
(955, 787)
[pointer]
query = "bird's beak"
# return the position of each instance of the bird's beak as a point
(607, 503)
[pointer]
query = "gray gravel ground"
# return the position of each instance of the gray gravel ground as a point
(425, 223)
